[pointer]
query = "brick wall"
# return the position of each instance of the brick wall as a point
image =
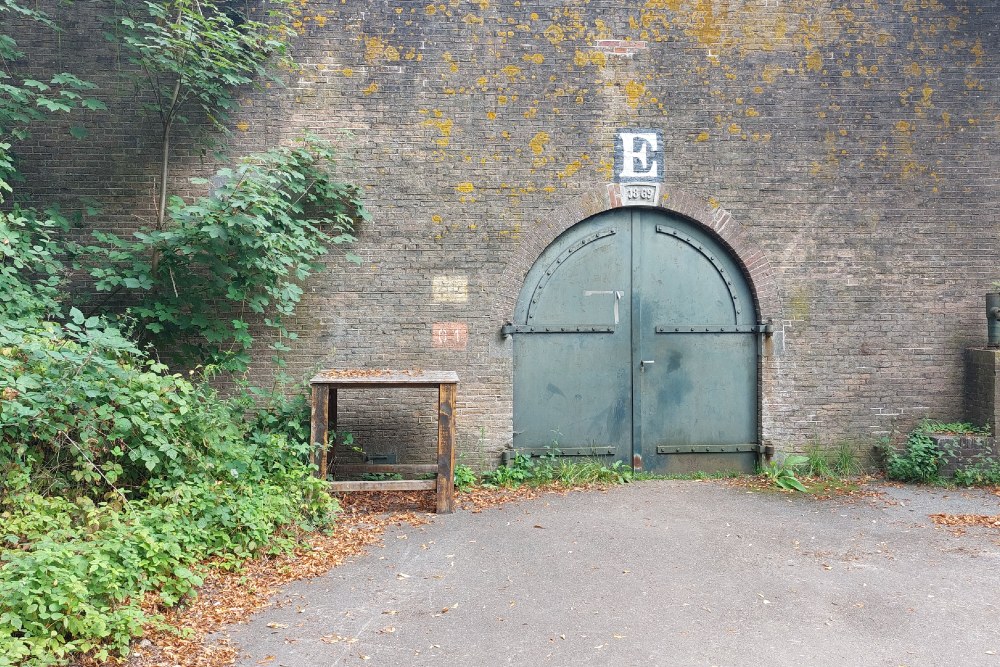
(853, 144)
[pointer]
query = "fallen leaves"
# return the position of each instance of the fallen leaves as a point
(965, 520)
(182, 638)
(230, 597)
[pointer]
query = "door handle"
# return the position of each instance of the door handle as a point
(646, 362)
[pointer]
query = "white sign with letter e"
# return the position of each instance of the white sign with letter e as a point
(638, 156)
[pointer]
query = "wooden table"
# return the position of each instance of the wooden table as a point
(324, 419)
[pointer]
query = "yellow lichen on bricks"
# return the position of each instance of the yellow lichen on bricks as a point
(538, 142)
(512, 72)
(443, 125)
(814, 61)
(634, 90)
(555, 34)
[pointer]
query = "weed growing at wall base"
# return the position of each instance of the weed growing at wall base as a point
(526, 470)
(782, 474)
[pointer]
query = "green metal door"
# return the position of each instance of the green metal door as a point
(635, 339)
(573, 343)
(695, 351)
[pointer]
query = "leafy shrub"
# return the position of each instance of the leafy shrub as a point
(241, 252)
(465, 478)
(75, 572)
(983, 473)
(919, 460)
(520, 470)
(85, 410)
(31, 273)
(119, 479)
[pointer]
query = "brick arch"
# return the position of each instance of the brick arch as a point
(701, 210)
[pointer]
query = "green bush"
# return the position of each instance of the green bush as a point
(239, 253)
(919, 460)
(118, 478)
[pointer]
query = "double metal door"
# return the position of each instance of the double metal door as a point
(635, 339)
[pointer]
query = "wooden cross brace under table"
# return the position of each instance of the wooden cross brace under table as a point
(324, 419)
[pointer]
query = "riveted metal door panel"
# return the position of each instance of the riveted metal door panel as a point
(695, 351)
(572, 344)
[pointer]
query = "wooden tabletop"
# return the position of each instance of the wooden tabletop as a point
(359, 377)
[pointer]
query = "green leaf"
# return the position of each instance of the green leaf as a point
(78, 132)
(52, 105)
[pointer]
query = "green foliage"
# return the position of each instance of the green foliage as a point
(85, 409)
(951, 428)
(782, 474)
(381, 476)
(31, 271)
(920, 459)
(119, 478)
(75, 572)
(519, 471)
(196, 53)
(826, 464)
(592, 471)
(817, 463)
(846, 462)
(525, 470)
(25, 100)
(465, 478)
(982, 473)
(237, 254)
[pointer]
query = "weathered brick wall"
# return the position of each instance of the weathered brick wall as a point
(853, 142)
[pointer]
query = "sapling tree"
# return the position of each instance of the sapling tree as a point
(193, 56)
(200, 270)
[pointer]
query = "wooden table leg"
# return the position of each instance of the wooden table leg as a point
(446, 449)
(331, 441)
(318, 428)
